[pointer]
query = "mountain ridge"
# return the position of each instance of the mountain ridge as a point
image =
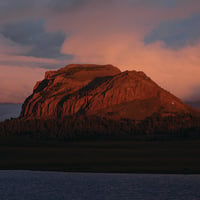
(101, 90)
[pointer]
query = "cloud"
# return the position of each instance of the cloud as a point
(31, 33)
(15, 54)
(23, 61)
(131, 34)
(177, 71)
(176, 33)
(115, 39)
(10, 47)
(66, 5)
(17, 82)
(27, 9)
(19, 9)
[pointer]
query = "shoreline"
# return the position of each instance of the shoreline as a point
(103, 172)
(88, 172)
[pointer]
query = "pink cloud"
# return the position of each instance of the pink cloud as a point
(10, 47)
(177, 71)
(115, 35)
(18, 74)
(17, 82)
(105, 32)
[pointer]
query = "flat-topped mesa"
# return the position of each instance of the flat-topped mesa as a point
(86, 70)
(60, 83)
(101, 90)
(79, 72)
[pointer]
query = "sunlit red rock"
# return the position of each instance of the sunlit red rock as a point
(101, 90)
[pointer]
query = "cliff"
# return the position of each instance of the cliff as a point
(100, 90)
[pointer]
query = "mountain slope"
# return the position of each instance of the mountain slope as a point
(57, 85)
(101, 90)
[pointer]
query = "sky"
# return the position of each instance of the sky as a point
(159, 37)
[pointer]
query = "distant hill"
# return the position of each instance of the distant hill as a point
(194, 104)
(9, 110)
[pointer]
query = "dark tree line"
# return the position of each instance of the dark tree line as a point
(83, 127)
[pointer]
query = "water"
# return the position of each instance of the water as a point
(9, 110)
(28, 185)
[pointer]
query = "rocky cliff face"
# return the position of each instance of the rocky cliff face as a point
(101, 90)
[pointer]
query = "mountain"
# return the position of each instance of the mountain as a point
(103, 91)
(195, 104)
(99, 101)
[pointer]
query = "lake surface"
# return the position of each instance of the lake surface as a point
(9, 110)
(29, 185)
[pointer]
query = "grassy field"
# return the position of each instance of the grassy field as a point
(102, 156)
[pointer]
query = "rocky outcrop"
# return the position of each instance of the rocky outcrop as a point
(101, 90)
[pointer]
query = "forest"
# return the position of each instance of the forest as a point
(82, 127)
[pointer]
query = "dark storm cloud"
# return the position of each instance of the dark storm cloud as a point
(16, 9)
(167, 4)
(71, 5)
(7, 6)
(177, 33)
(32, 33)
(158, 3)
(63, 5)
(28, 9)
